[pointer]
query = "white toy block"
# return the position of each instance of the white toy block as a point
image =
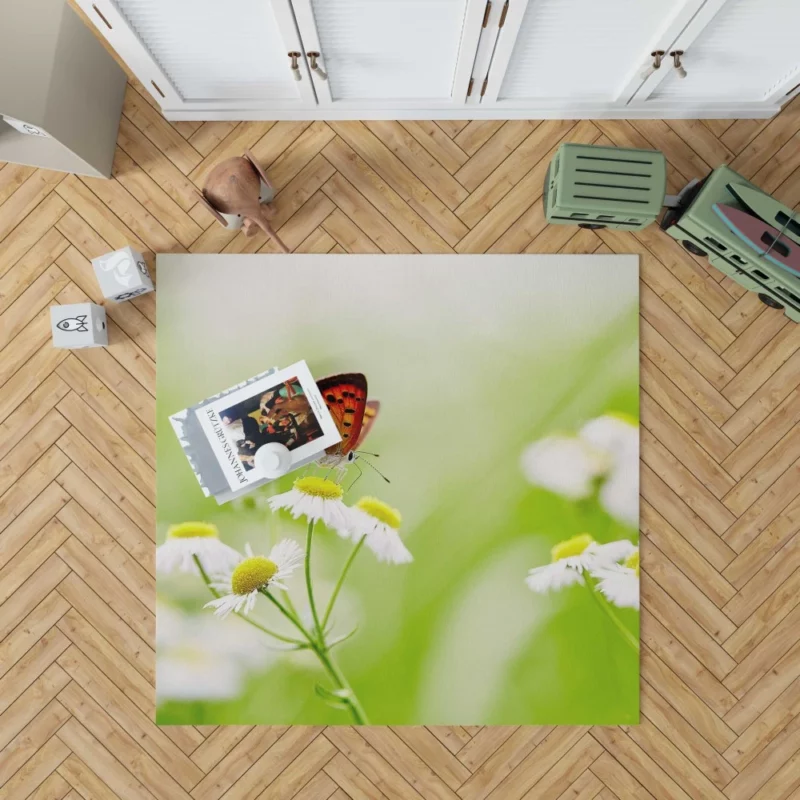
(122, 274)
(78, 325)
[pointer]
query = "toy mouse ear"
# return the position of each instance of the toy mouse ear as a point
(204, 200)
(261, 174)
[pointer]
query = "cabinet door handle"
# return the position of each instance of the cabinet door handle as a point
(676, 62)
(294, 66)
(312, 57)
(657, 55)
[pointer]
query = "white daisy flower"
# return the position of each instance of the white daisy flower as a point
(620, 582)
(191, 539)
(380, 523)
(253, 574)
(203, 658)
(604, 455)
(571, 557)
(315, 499)
(565, 465)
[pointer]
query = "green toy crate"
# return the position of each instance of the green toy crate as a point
(701, 231)
(605, 187)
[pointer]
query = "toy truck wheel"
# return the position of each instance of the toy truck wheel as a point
(769, 301)
(693, 248)
(592, 226)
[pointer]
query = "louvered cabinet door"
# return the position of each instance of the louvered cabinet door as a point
(208, 54)
(577, 53)
(734, 51)
(389, 54)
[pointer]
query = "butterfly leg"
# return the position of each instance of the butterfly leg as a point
(360, 473)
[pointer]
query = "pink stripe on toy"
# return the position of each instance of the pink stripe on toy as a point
(764, 239)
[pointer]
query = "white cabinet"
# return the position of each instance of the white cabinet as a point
(390, 54)
(335, 59)
(573, 52)
(734, 51)
(207, 55)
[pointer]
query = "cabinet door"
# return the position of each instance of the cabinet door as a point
(734, 51)
(574, 53)
(390, 54)
(208, 54)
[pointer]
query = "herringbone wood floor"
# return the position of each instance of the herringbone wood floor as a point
(720, 468)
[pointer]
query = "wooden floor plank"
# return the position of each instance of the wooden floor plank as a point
(720, 511)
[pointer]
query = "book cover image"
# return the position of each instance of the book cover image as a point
(285, 407)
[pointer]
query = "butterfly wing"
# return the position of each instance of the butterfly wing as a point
(345, 396)
(370, 414)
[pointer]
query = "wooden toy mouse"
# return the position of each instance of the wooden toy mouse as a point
(237, 192)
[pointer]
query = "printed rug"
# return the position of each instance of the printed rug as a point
(466, 555)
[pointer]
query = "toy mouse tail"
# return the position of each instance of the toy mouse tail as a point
(270, 231)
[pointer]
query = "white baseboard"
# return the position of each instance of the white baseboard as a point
(649, 111)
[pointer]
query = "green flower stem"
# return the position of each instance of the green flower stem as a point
(288, 614)
(629, 638)
(359, 715)
(311, 603)
(339, 583)
(278, 636)
(323, 654)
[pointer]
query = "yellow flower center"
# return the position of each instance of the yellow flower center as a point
(632, 562)
(252, 573)
(193, 530)
(381, 511)
(319, 487)
(571, 547)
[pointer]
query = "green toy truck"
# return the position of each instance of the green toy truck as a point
(607, 187)
(701, 231)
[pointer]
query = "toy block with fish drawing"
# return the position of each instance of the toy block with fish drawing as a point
(122, 275)
(79, 325)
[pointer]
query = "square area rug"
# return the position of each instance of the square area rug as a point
(481, 551)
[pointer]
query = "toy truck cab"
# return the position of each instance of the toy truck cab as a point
(702, 232)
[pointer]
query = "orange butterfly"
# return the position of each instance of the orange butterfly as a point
(345, 396)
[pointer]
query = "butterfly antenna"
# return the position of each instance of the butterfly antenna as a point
(365, 453)
(372, 466)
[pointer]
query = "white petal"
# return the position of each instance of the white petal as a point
(611, 435)
(387, 545)
(620, 585)
(600, 555)
(230, 603)
(619, 495)
(178, 555)
(557, 575)
(334, 513)
(222, 605)
(564, 465)
(287, 555)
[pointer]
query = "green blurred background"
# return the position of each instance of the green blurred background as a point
(472, 357)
